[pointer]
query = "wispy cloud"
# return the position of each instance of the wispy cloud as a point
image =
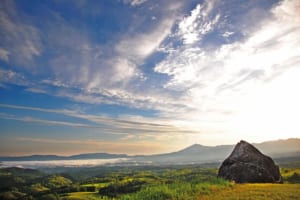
(12, 77)
(77, 67)
(71, 147)
(20, 40)
(4, 54)
(140, 46)
(246, 60)
(88, 146)
(227, 34)
(66, 112)
(42, 121)
(217, 80)
(124, 125)
(197, 70)
(200, 22)
(134, 2)
(86, 65)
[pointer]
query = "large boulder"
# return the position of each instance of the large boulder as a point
(246, 164)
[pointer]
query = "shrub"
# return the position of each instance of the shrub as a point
(295, 178)
(49, 197)
(116, 189)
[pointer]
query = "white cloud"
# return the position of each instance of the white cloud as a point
(4, 54)
(189, 66)
(19, 40)
(74, 62)
(65, 112)
(206, 86)
(71, 147)
(87, 66)
(126, 127)
(200, 22)
(12, 77)
(124, 70)
(134, 2)
(56, 83)
(138, 47)
(227, 34)
(98, 73)
(36, 90)
(222, 80)
(43, 121)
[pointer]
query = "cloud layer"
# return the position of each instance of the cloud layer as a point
(204, 71)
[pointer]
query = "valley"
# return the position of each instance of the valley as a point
(188, 174)
(180, 182)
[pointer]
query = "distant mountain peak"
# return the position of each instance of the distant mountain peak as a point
(196, 153)
(193, 148)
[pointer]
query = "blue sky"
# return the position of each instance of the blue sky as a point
(146, 76)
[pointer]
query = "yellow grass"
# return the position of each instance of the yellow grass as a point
(81, 196)
(235, 192)
(97, 185)
(286, 172)
(255, 192)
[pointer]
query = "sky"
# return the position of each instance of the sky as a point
(146, 76)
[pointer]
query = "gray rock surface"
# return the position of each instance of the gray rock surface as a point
(246, 164)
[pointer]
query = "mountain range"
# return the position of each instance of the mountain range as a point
(193, 154)
(209, 154)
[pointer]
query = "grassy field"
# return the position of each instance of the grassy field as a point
(255, 192)
(142, 183)
(194, 184)
(211, 192)
(82, 195)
